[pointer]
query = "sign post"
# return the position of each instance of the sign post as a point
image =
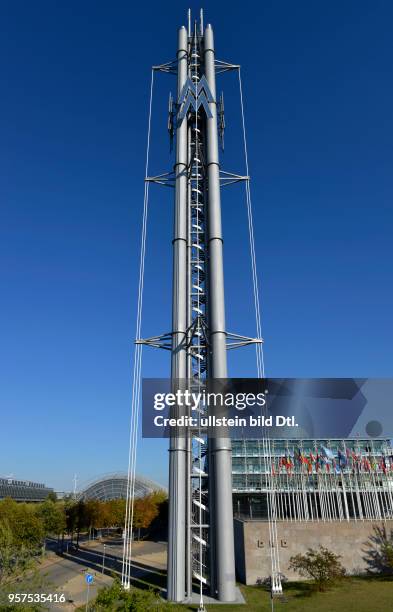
(89, 580)
(103, 560)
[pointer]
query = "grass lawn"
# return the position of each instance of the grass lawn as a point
(351, 595)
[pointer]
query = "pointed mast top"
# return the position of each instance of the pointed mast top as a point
(201, 26)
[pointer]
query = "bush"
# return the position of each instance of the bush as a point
(321, 565)
(133, 600)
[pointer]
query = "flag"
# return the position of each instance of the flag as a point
(328, 453)
(298, 455)
(382, 464)
(342, 459)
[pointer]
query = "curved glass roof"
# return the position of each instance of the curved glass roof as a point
(114, 486)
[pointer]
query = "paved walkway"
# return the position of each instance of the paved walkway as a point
(66, 574)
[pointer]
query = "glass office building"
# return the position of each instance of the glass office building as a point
(23, 490)
(313, 479)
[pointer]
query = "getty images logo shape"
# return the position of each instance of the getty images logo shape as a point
(195, 95)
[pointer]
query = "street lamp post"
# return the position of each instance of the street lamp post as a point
(103, 560)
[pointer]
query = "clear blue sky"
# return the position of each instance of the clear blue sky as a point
(73, 114)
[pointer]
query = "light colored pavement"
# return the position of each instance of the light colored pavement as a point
(66, 574)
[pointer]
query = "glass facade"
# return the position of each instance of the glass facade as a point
(313, 479)
(114, 486)
(23, 490)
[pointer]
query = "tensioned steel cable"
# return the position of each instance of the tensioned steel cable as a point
(137, 369)
(271, 499)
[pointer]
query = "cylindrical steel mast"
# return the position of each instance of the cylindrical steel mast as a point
(198, 502)
(178, 476)
(220, 472)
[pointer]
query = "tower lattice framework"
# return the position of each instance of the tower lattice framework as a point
(200, 541)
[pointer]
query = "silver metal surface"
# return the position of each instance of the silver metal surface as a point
(223, 555)
(200, 542)
(178, 447)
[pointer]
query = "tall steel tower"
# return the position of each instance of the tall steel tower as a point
(201, 542)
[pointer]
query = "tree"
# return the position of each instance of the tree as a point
(115, 512)
(387, 556)
(145, 511)
(135, 600)
(321, 565)
(21, 536)
(379, 553)
(53, 517)
(92, 514)
(71, 515)
(82, 519)
(6, 550)
(26, 527)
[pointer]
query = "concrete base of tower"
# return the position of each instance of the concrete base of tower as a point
(195, 599)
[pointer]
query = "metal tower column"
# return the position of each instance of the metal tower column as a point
(178, 480)
(200, 538)
(200, 525)
(219, 448)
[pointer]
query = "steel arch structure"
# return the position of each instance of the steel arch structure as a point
(114, 486)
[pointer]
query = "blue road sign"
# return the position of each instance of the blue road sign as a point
(89, 578)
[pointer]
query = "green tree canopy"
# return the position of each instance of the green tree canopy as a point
(21, 536)
(53, 517)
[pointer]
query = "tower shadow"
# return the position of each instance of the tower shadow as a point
(378, 551)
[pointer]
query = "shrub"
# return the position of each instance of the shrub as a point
(321, 565)
(133, 600)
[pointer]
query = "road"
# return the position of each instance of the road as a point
(66, 573)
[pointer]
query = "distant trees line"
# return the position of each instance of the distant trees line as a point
(24, 526)
(150, 512)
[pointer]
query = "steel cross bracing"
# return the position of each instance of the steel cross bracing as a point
(198, 556)
(167, 179)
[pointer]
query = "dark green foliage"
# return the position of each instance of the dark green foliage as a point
(52, 516)
(321, 565)
(21, 537)
(133, 600)
(379, 551)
